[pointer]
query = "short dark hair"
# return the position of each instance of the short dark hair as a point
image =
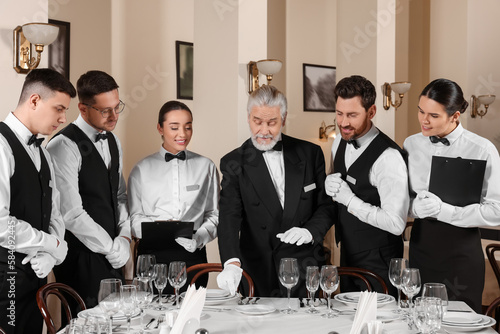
(169, 106)
(447, 93)
(356, 85)
(45, 81)
(94, 83)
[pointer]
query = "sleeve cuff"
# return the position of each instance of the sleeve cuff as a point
(446, 213)
(234, 259)
(354, 205)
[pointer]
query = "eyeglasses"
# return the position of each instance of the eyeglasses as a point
(107, 111)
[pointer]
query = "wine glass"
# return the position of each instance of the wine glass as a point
(128, 302)
(144, 294)
(145, 265)
(161, 278)
(312, 285)
(109, 298)
(289, 277)
(410, 283)
(395, 274)
(436, 290)
(329, 281)
(177, 277)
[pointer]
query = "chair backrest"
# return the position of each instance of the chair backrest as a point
(2, 331)
(363, 274)
(490, 252)
(495, 305)
(205, 268)
(60, 290)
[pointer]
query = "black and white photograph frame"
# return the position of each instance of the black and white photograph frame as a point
(184, 69)
(59, 49)
(318, 84)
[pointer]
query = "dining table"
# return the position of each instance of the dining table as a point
(228, 318)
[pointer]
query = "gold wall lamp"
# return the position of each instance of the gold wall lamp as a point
(268, 67)
(399, 88)
(327, 131)
(476, 103)
(39, 34)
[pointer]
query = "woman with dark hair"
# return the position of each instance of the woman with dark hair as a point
(445, 242)
(175, 184)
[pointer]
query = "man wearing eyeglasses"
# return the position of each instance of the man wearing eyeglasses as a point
(88, 168)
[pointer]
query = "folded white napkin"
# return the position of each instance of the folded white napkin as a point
(189, 314)
(375, 327)
(366, 311)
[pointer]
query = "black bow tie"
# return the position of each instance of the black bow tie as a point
(181, 156)
(354, 143)
(435, 139)
(278, 146)
(34, 140)
(101, 136)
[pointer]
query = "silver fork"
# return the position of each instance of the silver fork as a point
(255, 300)
(160, 320)
(248, 301)
(241, 301)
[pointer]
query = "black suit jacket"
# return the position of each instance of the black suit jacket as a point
(251, 214)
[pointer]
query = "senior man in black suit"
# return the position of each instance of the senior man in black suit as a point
(273, 203)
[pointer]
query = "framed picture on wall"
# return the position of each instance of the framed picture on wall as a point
(319, 82)
(184, 69)
(58, 51)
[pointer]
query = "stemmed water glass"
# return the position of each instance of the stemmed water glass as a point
(144, 294)
(312, 285)
(177, 277)
(109, 298)
(289, 277)
(437, 290)
(329, 281)
(410, 283)
(396, 268)
(128, 302)
(161, 278)
(145, 267)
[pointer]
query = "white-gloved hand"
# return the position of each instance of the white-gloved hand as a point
(57, 248)
(230, 278)
(200, 239)
(119, 253)
(338, 189)
(42, 264)
(426, 204)
(296, 235)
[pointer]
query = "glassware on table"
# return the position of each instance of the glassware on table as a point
(411, 283)
(109, 298)
(161, 279)
(145, 265)
(289, 277)
(74, 327)
(395, 275)
(128, 302)
(329, 282)
(436, 290)
(312, 285)
(427, 314)
(95, 324)
(144, 294)
(177, 277)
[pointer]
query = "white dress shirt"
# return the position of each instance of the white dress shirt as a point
(27, 238)
(186, 190)
(276, 166)
(466, 145)
(68, 162)
(389, 175)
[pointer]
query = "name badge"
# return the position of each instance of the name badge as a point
(350, 179)
(310, 187)
(193, 187)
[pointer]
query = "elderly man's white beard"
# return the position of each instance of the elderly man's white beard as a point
(265, 147)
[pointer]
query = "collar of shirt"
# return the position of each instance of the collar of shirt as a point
(351, 154)
(19, 128)
(87, 128)
(455, 134)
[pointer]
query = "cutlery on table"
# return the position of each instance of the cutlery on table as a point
(149, 323)
(241, 301)
(248, 300)
(160, 320)
(255, 300)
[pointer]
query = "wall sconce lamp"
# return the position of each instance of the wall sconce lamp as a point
(399, 88)
(268, 67)
(39, 34)
(324, 129)
(476, 103)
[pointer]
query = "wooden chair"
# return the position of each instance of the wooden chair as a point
(205, 268)
(2, 331)
(490, 252)
(494, 308)
(363, 274)
(60, 290)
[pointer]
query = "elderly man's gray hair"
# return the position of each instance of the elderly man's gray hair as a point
(267, 96)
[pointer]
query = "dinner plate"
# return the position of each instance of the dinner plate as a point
(460, 318)
(217, 294)
(387, 316)
(217, 301)
(97, 312)
(255, 309)
(352, 298)
(484, 323)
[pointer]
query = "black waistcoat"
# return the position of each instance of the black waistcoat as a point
(30, 192)
(357, 236)
(98, 186)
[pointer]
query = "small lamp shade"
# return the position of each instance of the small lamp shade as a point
(269, 66)
(400, 87)
(486, 99)
(40, 33)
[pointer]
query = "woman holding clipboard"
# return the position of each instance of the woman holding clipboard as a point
(175, 184)
(445, 242)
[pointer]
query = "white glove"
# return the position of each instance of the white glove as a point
(296, 235)
(426, 204)
(55, 247)
(230, 278)
(200, 239)
(42, 264)
(338, 189)
(119, 253)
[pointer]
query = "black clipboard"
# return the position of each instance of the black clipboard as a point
(161, 234)
(457, 181)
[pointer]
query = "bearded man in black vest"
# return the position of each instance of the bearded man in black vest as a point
(31, 226)
(370, 184)
(88, 163)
